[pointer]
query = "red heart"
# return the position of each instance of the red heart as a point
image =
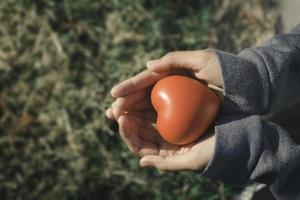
(185, 108)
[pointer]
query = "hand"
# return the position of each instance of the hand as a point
(136, 116)
(142, 139)
(201, 64)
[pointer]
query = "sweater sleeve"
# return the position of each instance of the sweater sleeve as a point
(249, 148)
(262, 79)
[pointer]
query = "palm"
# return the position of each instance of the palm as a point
(137, 128)
(146, 138)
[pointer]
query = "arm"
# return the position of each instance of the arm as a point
(252, 149)
(262, 79)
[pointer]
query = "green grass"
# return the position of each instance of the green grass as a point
(58, 60)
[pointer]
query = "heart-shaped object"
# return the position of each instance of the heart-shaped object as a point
(185, 108)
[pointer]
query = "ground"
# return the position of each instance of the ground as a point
(58, 60)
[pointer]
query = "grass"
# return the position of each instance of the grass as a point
(58, 60)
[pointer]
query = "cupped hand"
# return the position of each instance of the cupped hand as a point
(136, 117)
(202, 65)
(142, 139)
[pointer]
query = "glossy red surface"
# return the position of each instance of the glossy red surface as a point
(185, 108)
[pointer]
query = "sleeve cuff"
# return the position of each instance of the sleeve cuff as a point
(234, 151)
(246, 85)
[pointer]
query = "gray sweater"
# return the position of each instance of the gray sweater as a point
(258, 81)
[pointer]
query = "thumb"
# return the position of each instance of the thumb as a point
(192, 60)
(170, 163)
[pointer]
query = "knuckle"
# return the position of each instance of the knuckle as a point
(170, 55)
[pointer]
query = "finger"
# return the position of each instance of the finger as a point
(142, 105)
(127, 134)
(133, 142)
(193, 60)
(147, 130)
(147, 148)
(109, 113)
(112, 111)
(150, 136)
(126, 101)
(169, 163)
(136, 83)
(147, 114)
(133, 103)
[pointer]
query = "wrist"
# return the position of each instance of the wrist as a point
(212, 72)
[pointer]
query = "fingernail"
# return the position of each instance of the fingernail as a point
(113, 92)
(107, 112)
(120, 120)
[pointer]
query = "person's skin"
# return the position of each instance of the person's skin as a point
(136, 117)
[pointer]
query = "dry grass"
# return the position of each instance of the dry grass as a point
(58, 60)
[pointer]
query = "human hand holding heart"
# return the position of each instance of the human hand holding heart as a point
(136, 117)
